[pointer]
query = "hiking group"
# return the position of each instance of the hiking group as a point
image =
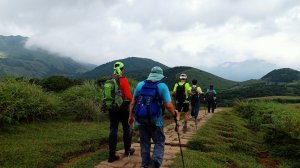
(145, 109)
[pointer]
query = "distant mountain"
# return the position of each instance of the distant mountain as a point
(285, 75)
(17, 60)
(136, 68)
(139, 68)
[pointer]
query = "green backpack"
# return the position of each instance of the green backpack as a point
(112, 96)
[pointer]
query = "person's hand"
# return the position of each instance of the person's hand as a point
(130, 120)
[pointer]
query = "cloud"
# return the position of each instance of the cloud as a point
(203, 34)
(241, 71)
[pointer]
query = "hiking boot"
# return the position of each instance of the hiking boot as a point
(113, 158)
(131, 152)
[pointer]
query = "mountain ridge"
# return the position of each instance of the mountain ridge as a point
(17, 60)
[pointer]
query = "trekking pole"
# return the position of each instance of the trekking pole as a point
(177, 130)
(131, 133)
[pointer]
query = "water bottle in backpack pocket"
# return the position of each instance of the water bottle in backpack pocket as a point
(147, 107)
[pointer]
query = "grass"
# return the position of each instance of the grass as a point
(280, 125)
(223, 142)
(279, 99)
(49, 143)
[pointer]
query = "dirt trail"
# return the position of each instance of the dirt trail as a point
(171, 145)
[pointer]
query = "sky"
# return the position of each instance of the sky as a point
(236, 39)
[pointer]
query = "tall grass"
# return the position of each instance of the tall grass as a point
(280, 124)
(84, 101)
(21, 101)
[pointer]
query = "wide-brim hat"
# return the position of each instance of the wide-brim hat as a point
(156, 74)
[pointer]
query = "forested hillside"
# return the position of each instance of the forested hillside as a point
(17, 60)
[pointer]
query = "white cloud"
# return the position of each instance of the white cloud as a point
(204, 33)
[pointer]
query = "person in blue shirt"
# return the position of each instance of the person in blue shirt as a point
(154, 132)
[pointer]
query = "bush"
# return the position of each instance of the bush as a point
(21, 101)
(83, 101)
(57, 83)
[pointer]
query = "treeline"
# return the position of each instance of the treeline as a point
(227, 97)
(280, 125)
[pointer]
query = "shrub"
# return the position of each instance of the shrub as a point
(58, 83)
(22, 101)
(83, 101)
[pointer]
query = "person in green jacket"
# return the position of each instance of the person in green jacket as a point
(181, 91)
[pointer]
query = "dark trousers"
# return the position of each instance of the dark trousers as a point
(195, 108)
(119, 115)
(211, 105)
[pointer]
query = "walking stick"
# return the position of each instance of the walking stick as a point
(175, 118)
(131, 133)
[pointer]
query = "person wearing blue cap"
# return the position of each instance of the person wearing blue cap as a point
(146, 110)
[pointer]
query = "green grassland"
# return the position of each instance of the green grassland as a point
(238, 137)
(223, 142)
(279, 99)
(49, 143)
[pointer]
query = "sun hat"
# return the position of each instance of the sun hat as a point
(156, 74)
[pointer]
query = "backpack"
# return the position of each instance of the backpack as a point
(112, 97)
(210, 95)
(180, 93)
(195, 95)
(147, 107)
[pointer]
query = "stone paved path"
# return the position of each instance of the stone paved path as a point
(171, 147)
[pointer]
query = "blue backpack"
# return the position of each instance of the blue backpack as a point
(147, 106)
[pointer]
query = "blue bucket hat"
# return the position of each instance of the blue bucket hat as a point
(156, 74)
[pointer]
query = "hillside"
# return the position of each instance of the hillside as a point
(17, 60)
(284, 75)
(136, 68)
(139, 68)
(204, 78)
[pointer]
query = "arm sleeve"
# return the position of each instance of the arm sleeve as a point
(188, 87)
(137, 89)
(125, 89)
(175, 87)
(164, 93)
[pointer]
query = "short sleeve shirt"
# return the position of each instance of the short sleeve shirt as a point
(164, 95)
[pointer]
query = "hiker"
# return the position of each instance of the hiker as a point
(181, 91)
(195, 99)
(146, 109)
(210, 97)
(119, 113)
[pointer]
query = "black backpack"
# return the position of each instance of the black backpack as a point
(180, 93)
(210, 95)
(195, 95)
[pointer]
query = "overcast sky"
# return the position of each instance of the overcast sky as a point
(207, 34)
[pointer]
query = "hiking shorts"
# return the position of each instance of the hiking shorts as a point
(182, 107)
